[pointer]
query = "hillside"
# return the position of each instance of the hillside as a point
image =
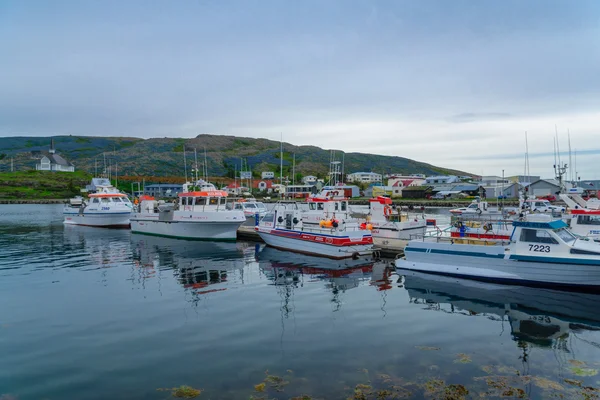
(162, 157)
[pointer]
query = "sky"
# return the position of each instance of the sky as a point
(452, 83)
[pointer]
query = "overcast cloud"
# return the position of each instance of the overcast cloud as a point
(453, 83)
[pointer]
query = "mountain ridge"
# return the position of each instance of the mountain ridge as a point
(164, 156)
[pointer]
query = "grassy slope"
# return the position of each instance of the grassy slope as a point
(41, 184)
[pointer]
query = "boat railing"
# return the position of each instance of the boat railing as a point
(317, 229)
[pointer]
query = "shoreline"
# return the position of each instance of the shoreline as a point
(33, 201)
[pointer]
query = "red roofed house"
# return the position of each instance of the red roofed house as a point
(265, 185)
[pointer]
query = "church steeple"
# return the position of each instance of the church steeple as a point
(52, 150)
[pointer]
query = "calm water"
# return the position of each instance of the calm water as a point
(103, 314)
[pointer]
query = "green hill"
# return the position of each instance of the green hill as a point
(163, 157)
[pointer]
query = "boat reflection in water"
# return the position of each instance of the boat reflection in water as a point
(196, 264)
(91, 247)
(290, 271)
(542, 317)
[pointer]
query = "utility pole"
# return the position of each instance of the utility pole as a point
(12, 166)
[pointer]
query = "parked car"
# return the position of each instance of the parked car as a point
(542, 205)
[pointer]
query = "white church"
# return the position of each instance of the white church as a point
(51, 161)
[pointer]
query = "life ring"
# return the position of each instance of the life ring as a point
(458, 224)
(387, 210)
(479, 211)
(488, 227)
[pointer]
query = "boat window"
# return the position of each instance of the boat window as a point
(200, 201)
(565, 235)
(250, 205)
(238, 206)
(312, 206)
(473, 206)
(537, 236)
(344, 206)
(269, 217)
(588, 219)
(116, 200)
(96, 200)
(184, 201)
(261, 206)
(213, 201)
(319, 206)
(105, 200)
(336, 208)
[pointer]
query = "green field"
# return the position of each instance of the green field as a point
(36, 185)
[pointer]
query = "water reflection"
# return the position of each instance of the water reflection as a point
(534, 317)
(290, 271)
(196, 265)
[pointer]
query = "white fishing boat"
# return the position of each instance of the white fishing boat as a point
(200, 214)
(583, 216)
(390, 222)
(250, 207)
(541, 252)
(107, 208)
(325, 229)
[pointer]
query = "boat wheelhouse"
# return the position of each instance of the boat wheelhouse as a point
(391, 222)
(201, 215)
(250, 207)
(539, 252)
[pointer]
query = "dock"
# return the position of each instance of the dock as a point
(386, 248)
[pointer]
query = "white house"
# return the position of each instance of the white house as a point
(53, 162)
(367, 177)
(267, 175)
(432, 180)
(309, 180)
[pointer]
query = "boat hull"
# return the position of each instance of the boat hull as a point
(316, 244)
(104, 220)
(225, 230)
(493, 265)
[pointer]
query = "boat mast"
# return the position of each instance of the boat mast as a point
(570, 160)
(281, 166)
(196, 164)
(184, 164)
(294, 170)
(205, 166)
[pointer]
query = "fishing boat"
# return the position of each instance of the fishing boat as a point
(250, 207)
(200, 214)
(391, 222)
(583, 216)
(541, 251)
(325, 229)
(107, 207)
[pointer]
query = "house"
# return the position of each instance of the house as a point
(309, 180)
(235, 188)
(51, 161)
(417, 192)
(366, 177)
(263, 186)
(402, 182)
(493, 181)
(543, 187)
(267, 175)
(432, 180)
(161, 190)
(468, 189)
